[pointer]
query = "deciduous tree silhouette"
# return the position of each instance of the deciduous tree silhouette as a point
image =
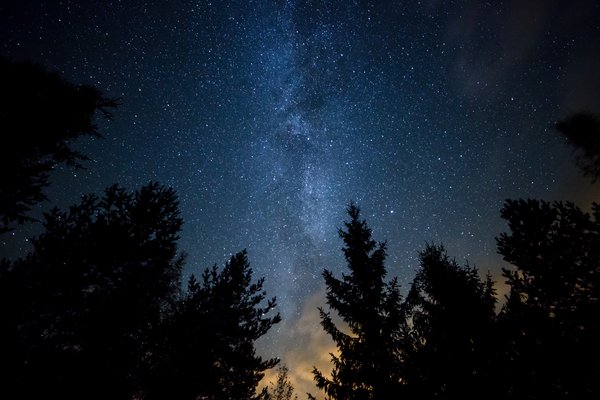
(551, 317)
(453, 315)
(41, 115)
(582, 131)
(78, 310)
(370, 353)
(205, 349)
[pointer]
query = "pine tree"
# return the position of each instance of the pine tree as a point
(205, 348)
(453, 315)
(369, 362)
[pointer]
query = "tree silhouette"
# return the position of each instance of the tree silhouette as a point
(205, 348)
(369, 362)
(282, 389)
(582, 131)
(78, 310)
(550, 319)
(453, 315)
(41, 116)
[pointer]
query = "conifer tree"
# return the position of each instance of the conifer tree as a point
(205, 348)
(453, 316)
(368, 365)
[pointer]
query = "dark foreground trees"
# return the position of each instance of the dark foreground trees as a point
(41, 116)
(371, 350)
(445, 341)
(551, 319)
(543, 343)
(96, 309)
(452, 327)
(205, 348)
(436, 344)
(78, 310)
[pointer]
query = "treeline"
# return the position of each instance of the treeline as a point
(444, 340)
(96, 309)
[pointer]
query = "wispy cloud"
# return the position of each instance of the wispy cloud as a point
(306, 346)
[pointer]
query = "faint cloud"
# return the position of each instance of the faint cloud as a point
(308, 346)
(491, 41)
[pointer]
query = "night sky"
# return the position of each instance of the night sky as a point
(269, 117)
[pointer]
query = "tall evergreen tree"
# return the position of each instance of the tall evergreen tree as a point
(370, 353)
(453, 315)
(205, 348)
(78, 310)
(551, 317)
(42, 115)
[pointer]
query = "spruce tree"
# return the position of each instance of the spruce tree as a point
(205, 348)
(368, 365)
(453, 319)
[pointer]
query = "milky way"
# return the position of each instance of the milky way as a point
(269, 117)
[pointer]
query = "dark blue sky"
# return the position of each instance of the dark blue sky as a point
(268, 117)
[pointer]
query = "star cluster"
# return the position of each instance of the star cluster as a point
(269, 117)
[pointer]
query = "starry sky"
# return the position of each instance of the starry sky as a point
(269, 117)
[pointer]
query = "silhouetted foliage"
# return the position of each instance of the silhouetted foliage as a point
(205, 348)
(582, 131)
(78, 310)
(550, 320)
(370, 355)
(453, 316)
(41, 115)
(95, 311)
(282, 389)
